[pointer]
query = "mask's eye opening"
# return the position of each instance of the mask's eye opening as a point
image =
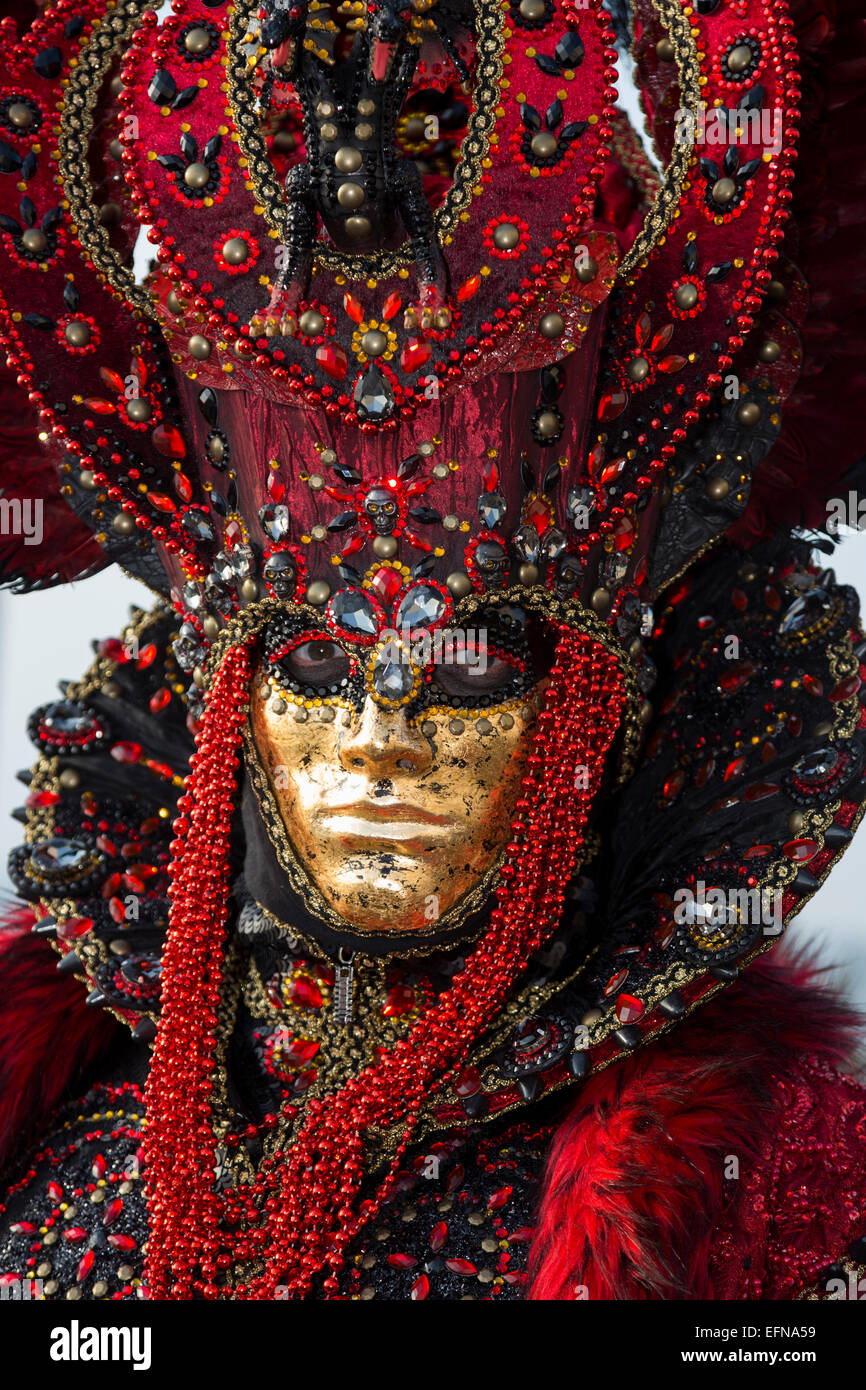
(313, 667)
(502, 655)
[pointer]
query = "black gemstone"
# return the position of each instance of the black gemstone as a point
(49, 63)
(162, 88)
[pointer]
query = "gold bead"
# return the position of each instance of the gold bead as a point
(665, 51)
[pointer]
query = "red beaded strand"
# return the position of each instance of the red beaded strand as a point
(303, 1209)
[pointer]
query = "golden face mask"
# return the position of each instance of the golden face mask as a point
(396, 816)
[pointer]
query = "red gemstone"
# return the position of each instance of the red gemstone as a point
(304, 992)
(401, 1261)
(74, 1234)
(800, 850)
(845, 689)
(300, 1051)
(468, 1083)
(615, 982)
(126, 752)
(734, 768)
(386, 584)
(415, 353)
(74, 927)
(169, 442)
(182, 486)
(41, 799)
(159, 699)
(112, 1211)
(461, 1267)
(499, 1198)
(55, 1191)
(113, 380)
(276, 486)
(393, 304)
(400, 1000)
(737, 677)
(353, 308)
(537, 514)
(469, 288)
(333, 361)
(628, 1009)
(611, 405)
(758, 851)
(813, 685)
(85, 1265)
(99, 406)
(161, 502)
(438, 1236)
(673, 786)
(759, 791)
(420, 1288)
(122, 1242)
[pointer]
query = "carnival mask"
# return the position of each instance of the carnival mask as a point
(397, 811)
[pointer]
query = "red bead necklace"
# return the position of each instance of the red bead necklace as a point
(302, 1210)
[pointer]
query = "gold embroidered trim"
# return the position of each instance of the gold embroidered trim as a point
(677, 25)
(86, 77)
(490, 43)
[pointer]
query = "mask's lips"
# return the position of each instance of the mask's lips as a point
(381, 58)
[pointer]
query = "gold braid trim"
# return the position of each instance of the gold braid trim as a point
(669, 196)
(110, 36)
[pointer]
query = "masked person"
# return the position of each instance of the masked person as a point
(419, 852)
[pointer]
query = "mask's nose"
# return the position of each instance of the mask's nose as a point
(383, 743)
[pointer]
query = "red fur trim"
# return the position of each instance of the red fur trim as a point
(49, 1038)
(633, 1189)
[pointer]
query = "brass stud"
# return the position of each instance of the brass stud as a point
(528, 574)
(363, 131)
(197, 40)
(717, 488)
(506, 236)
(665, 51)
(552, 325)
(739, 58)
(749, 413)
(638, 369)
(686, 296)
(769, 351)
(329, 131)
(384, 547)
(77, 333)
(199, 347)
(312, 323)
(348, 160)
(459, 584)
(34, 240)
(21, 115)
(374, 343)
(318, 593)
(123, 525)
(532, 9)
(139, 410)
(723, 191)
(235, 250)
(543, 145)
(196, 176)
(587, 270)
(358, 227)
(350, 195)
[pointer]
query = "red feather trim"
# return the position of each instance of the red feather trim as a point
(49, 1038)
(823, 436)
(633, 1189)
(67, 549)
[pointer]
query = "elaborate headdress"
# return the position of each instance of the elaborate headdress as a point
(424, 335)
